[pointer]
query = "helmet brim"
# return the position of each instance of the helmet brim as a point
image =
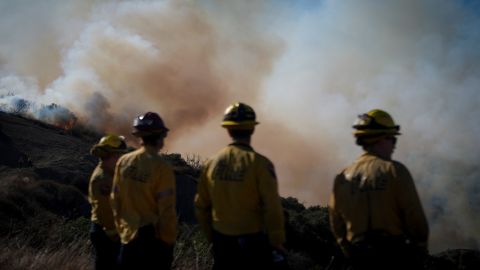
(144, 133)
(376, 132)
(102, 151)
(239, 125)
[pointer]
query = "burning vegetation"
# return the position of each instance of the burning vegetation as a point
(58, 116)
(53, 113)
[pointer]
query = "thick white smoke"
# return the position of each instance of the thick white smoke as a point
(418, 60)
(125, 58)
(307, 67)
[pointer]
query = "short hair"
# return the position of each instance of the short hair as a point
(240, 133)
(367, 141)
(152, 139)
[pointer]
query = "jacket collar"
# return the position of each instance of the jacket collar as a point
(370, 154)
(241, 145)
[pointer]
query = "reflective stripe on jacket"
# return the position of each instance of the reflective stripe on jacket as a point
(99, 190)
(238, 194)
(375, 194)
(144, 193)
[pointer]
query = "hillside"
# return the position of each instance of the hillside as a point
(44, 213)
(37, 151)
(33, 151)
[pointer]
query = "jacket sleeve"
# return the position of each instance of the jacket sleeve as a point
(165, 196)
(115, 194)
(99, 197)
(93, 189)
(410, 207)
(93, 194)
(272, 207)
(337, 223)
(203, 205)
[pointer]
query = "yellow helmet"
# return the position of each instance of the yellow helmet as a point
(375, 122)
(109, 144)
(239, 116)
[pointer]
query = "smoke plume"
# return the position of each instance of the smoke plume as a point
(307, 67)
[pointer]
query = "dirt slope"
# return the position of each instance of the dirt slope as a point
(39, 151)
(34, 151)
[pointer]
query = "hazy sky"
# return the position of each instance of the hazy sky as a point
(307, 67)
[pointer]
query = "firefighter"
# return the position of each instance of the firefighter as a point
(237, 202)
(143, 200)
(103, 234)
(375, 212)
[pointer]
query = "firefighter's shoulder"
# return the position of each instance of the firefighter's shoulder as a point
(129, 156)
(265, 162)
(399, 170)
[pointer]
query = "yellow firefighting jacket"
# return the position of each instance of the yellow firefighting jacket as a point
(143, 194)
(99, 197)
(238, 194)
(375, 194)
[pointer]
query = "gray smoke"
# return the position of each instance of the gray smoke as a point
(419, 60)
(307, 67)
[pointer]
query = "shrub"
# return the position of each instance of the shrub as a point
(21, 203)
(20, 106)
(57, 115)
(191, 166)
(48, 244)
(10, 216)
(192, 250)
(86, 133)
(196, 163)
(308, 231)
(63, 200)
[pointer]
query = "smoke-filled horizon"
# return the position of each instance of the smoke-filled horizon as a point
(308, 68)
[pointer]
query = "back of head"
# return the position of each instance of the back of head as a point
(240, 134)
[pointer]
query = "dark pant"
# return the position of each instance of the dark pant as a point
(105, 250)
(251, 251)
(146, 252)
(379, 253)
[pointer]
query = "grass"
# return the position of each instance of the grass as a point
(66, 245)
(192, 251)
(39, 239)
(43, 226)
(16, 254)
(47, 242)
